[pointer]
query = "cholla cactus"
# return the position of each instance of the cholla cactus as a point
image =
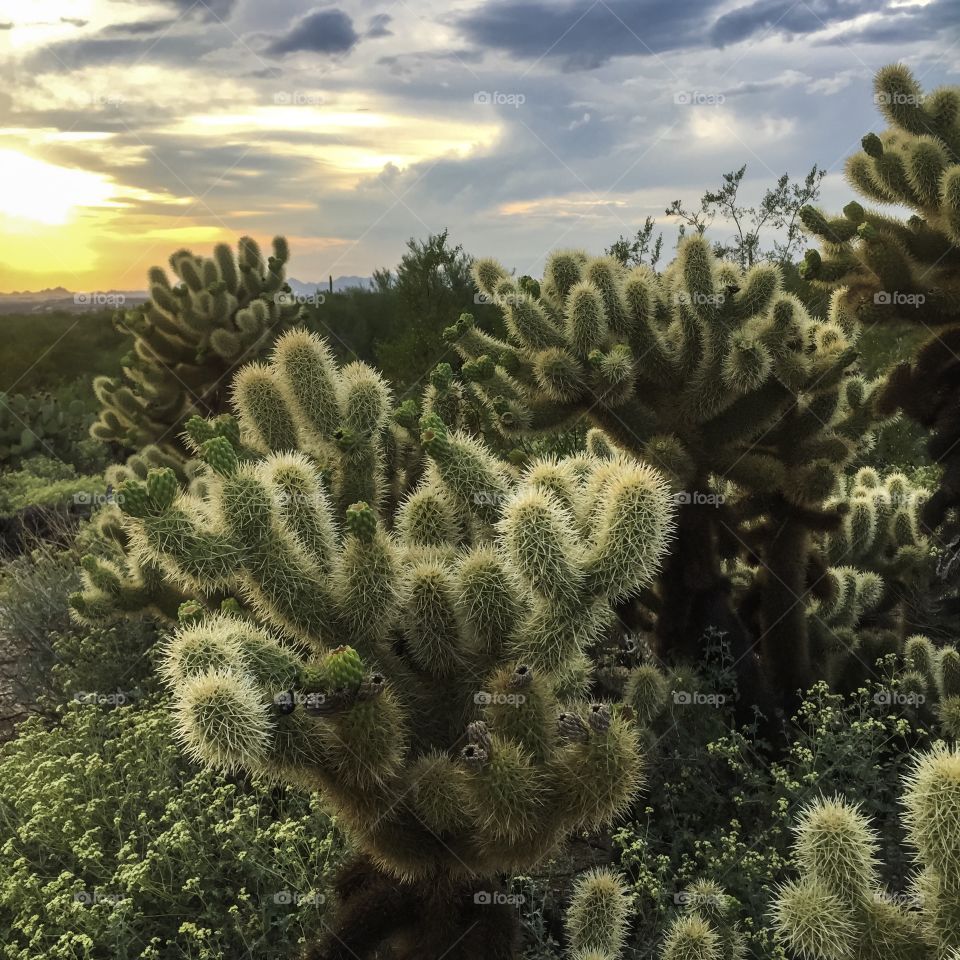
(839, 911)
(189, 337)
(427, 670)
(934, 674)
(714, 375)
(598, 916)
(883, 268)
(707, 928)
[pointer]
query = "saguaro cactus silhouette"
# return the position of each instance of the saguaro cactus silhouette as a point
(426, 667)
(884, 268)
(717, 377)
(839, 910)
(189, 336)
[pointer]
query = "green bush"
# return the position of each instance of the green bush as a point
(118, 848)
(44, 351)
(723, 800)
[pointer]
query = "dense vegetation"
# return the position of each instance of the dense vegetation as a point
(611, 613)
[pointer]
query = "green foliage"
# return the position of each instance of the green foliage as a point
(839, 908)
(115, 846)
(725, 799)
(44, 351)
(52, 425)
(46, 483)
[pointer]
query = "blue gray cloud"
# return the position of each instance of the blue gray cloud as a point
(323, 31)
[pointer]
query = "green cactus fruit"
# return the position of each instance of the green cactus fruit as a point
(220, 455)
(133, 498)
(343, 668)
(162, 487)
(361, 521)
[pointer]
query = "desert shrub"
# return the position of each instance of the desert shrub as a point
(118, 848)
(45, 351)
(53, 425)
(723, 800)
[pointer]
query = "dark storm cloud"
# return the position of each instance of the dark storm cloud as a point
(323, 31)
(937, 20)
(785, 17)
(587, 34)
(380, 25)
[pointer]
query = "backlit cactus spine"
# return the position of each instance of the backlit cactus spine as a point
(189, 336)
(882, 268)
(715, 376)
(838, 909)
(427, 670)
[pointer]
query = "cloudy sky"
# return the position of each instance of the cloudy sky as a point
(129, 128)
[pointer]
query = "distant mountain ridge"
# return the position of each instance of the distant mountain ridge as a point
(60, 298)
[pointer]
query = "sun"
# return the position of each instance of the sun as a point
(41, 192)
